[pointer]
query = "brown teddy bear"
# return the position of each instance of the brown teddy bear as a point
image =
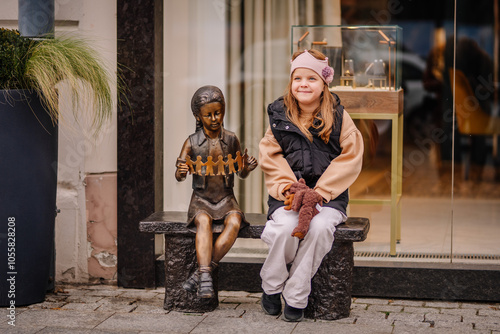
(303, 200)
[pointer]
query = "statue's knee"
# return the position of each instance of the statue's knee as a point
(203, 221)
(233, 222)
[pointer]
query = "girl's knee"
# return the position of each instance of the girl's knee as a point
(324, 224)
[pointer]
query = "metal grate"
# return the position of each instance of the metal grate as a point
(400, 255)
(435, 256)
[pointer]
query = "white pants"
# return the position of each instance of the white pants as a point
(305, 255)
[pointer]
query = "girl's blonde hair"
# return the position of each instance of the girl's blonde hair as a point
(323, 116)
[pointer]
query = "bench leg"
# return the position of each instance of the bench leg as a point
(180, 262)
(330, 297)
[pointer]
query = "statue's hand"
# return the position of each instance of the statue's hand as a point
(252, 163)
(249, 162)
(182, 170)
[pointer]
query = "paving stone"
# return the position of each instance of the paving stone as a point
(375, 301)
(83, 299)
(139, 295)
(229, 306)
(239, 300)
(51, 298)
(160, 296)
(116, 307)
(71, 291)
(18, 329)
(104, 293)
(442, 304)
(421, 310)
(454, 325)
(88, 307)
(489, 313)
(360, 314)
(172, 322)
(100, 287)
(153, 302)
(47, 305)
(402, 302)
(226, 313)
(374, 322)
(347, 321)
(56, 330)
(359, 306)
(482, 322)
(61, 318)
(437, 318)
(385, 308)
(252, 323)
(153, 309)
(333, 327)
(459, 311)
(480, 306)
(408, 329)
(416, 324)
(225, 293)
(255, 294)
(487, 326)
(4, 312)
(426, 330)
(408, 318)
(248, 307)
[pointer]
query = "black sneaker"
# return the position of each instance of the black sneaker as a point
(292, 314)
(271, 304)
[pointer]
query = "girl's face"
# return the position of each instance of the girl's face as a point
(307, 87)
(211, 116)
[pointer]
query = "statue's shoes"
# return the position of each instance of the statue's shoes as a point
(206, 288)
(191, 284)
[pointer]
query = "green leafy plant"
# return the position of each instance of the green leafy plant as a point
(41, 64)
(15, 51)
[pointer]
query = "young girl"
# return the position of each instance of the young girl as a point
(310, 137)
(213, 207)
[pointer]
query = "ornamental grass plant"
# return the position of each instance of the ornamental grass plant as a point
(41, 64)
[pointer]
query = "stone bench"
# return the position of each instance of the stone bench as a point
(330, 298)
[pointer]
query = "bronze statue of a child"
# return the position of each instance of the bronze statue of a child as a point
(208, 155)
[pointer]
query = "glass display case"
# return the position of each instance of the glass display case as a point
(367, 65)
(363, 57)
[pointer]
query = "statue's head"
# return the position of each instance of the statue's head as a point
(202, 97)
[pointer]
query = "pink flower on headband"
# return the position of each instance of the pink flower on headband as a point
(327, 74)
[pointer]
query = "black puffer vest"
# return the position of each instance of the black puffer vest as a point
(308, 160)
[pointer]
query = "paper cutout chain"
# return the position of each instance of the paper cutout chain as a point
(195, 166)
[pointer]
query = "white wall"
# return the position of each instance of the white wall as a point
(194, 55)
(79, 154)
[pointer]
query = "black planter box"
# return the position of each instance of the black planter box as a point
(28, 183)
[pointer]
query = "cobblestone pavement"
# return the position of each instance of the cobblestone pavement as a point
(109, 309)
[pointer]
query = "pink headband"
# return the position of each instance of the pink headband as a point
(307, 60)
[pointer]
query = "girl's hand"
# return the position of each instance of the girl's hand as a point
(289, 200)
